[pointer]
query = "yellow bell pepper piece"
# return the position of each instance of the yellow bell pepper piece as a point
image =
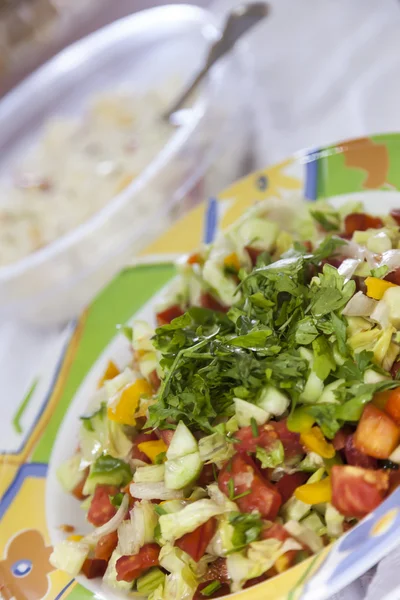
(300, 420)
(282, 563)
(377, 287)
(110, 372)
(124, 411)
(315, 493)
(232, 261)
(75, 538)
(315, 441)
(153, 448)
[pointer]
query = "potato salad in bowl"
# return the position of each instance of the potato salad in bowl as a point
(258, 421)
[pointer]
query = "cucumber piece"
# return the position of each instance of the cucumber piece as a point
(315, 523)
(245, 412)
(379, 242)
(107, 470)
(69, 473)
(183, 442)
(313, 389)
(273, 401)
(180, 472)
(258, 233)
(307, 355)
(294, 510)
(149, 474)
(150, 581)
(328, 395)
(69, 556)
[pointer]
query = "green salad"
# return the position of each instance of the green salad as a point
(258, 421)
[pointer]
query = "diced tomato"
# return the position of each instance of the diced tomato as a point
(208, 301)
(392, 406)
(267, 575)
(166, 316)
(395, 214)
(377, 434)
(195, 259)
(290, 440)
(393, 276)
(395, 369)
(154, 380)
(224, 590)
(106, 546)
(246, 442)
(94, 567)
(288, 483)
(356, 458)
(361, 222)
(196, 542)
(217, 570)
(259, 494)
(276, 532)
(166, 435)
(148, 436)
(206, 476)
(253, 253)
(394, 479)
(131, 567)
(78, 489)
(356, 491)
(340, 439)
(101, 510)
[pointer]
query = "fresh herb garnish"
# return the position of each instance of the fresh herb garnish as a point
(117, 499)
(254, 427)
(246, 529)
(211, 588)
(160, 458)
(271, 457)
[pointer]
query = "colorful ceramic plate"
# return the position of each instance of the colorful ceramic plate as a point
(42, 431)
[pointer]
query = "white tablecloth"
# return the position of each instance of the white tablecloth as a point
(325, 70)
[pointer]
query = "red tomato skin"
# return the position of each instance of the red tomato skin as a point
(166, 435)
(275, 532)
(101, 510)
(94, 567)
(395, 368)
(217, 570)
(377, 434)
(77, 492)
(154, 380)
(395, 214)
(260, 494)
(356, 458)
(206, 476)
(208, 301)
(361, 222)
(392, 406)
(261, 578)
(394, 479)
(106, 546)
(248, 443)
(288, 483)
(340, 439)
(166, 316)
(356, 491)
(290, 440)
(253, 253)
(393, 276)
(131, 567)
(196, 542)
(149, 436)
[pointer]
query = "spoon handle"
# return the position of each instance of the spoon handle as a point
(239, 21)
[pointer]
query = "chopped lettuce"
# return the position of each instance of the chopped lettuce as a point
(175, 525)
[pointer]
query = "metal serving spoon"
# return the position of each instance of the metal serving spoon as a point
(240, 20)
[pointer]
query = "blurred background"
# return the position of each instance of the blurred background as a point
(310, 74)
(326, 69)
